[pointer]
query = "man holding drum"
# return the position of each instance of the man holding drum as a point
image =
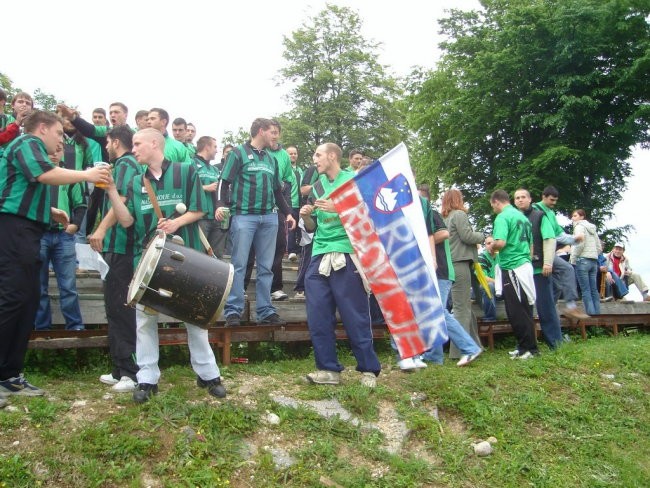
(172, 183)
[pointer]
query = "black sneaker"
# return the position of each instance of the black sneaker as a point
(19, 386)
(273, 319)
(233, 320)
(144, 392)
(215, 388)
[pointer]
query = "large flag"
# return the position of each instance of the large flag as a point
(382, 215)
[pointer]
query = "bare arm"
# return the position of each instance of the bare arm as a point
(440, 236)
(96, 239)
(122, 213)
(170, 226)
(62, 176)
(305, 213)
(499, 244)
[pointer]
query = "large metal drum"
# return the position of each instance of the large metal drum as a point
(181, 282)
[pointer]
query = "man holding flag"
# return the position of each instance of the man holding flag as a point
(333, 280)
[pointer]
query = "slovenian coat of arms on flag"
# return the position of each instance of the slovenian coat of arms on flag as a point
(382, 215)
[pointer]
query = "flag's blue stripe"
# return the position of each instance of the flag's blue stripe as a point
(405, 257)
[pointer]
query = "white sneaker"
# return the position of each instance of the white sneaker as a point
(419, 363)
(322, 377)
(293, 257)
(513, 354)
(108, 379)
(279, 295)
(369, 380)
(300, 295)
(125, 385)
(407, 364)
(525, 356)
(468, 358)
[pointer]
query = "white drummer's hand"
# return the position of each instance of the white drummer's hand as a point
(218, 214)
(306, 210)
(96, 239)
(169, 226)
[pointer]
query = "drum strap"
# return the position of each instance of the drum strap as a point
(152, 198)
(156, 209)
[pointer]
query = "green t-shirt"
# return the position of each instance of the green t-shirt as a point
(513, 227)
(23, 161)
(208, 174)
(176, 151)
(179, 183)
(547, 230)
(330, 236)
(487, 262)
(287, 175)
(550, 214)
(67, 198)
(254, 177)
(297, 173)
(119, 240)
(78, 157)
(435, 222)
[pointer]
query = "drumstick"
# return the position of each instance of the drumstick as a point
(181, 208)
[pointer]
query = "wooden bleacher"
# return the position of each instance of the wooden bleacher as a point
(616, 315)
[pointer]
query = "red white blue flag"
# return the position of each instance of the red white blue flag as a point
(381, 213)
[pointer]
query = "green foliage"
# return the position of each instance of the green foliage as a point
(236, 139)
(339, 93)
(531, 93)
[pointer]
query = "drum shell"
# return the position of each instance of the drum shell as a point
(199, 285)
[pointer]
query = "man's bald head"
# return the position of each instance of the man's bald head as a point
(148, 146)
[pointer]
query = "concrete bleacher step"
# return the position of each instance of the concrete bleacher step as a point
(606, 308)
(89, 286)
(93, 311)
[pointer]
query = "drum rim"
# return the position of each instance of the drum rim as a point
(133, 298)
(224, 297)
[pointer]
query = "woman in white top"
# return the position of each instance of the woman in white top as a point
(584, 256)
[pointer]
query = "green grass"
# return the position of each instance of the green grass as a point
(558, 421)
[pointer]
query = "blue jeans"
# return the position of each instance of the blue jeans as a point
(549, 320)
(618, 289)
(258, 232)
(586, 270)
(489, 304)
(457, 333)
(564, 280)
(59, 248)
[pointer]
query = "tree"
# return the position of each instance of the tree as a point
(45, 101)
(340, 93)
(42, 100)
(536, 92)
(235, 139)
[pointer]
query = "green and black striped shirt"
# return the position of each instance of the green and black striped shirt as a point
(179, 183)
(23, 161)
(254, 177)
(119, 240)
(208, 174)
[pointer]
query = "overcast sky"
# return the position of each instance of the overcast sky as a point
(216, 63)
